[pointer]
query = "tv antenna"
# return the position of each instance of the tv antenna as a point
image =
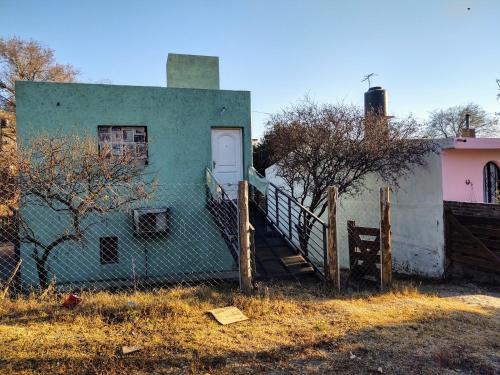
(368, 77)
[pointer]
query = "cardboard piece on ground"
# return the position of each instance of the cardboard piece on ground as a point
(228, 315)
(130, 349)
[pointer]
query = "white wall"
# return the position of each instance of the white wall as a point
(315, 244)
(364, 209)
(417, 221)
(417, 218)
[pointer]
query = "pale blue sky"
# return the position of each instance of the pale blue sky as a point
(427, 53)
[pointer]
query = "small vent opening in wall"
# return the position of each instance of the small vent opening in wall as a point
(108, 250)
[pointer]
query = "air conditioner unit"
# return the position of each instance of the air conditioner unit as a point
(151, 221)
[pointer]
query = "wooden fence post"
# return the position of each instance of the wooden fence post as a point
(244, 230)
(385, 238)
(332, 259)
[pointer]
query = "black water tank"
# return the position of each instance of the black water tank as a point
(376, 101)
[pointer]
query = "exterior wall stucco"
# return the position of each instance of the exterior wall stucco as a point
(460, 165)
(417, 221)
(193, 72)
(179, 123)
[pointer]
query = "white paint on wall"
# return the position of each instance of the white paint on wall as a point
(417, 218)
(417, 221)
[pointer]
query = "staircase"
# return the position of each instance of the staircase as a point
(281, 247)
(289, 239)
(275, 259)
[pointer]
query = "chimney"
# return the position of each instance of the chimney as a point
(467, 132)
(192, 71)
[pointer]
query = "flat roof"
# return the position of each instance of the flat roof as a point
(473, 143)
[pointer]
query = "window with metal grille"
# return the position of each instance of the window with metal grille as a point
(491, 183)
(108, 249)
(124, 140)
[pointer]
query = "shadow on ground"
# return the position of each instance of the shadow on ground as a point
(457, 341)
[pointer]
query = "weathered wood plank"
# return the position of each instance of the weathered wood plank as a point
(371, 245)
(477, 220)
(366, 231)
(332, 267)
(385, 238)
(465, 231)
(245, 246)
(468, 249)
(474, 261)
(371, 256)
(365, 261)
(474, 252)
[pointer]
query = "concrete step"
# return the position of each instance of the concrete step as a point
(274, 257)
(296, 264)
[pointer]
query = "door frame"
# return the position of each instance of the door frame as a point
(242, 148)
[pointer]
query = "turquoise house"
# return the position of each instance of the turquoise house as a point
(178, 131)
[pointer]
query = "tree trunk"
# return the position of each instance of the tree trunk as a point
(304, 230)
(43, 274)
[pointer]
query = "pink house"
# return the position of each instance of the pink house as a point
(470, 170)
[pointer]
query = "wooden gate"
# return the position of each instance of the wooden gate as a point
(473, 237)
(364, 254)
(370, 253)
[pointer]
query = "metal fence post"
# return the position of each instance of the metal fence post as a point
(245, 243)
(276, 198)
(332, 269)
(325, 250)
(385, 238)
(289, 218)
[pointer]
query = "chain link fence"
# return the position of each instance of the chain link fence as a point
(183, 233)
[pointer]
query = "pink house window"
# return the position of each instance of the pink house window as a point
(491, 183)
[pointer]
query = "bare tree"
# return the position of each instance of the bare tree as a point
(498, 95)
(316, 146)
(449, 122)
(28, 60)
(25, 60)
(261, 155)
(9, 192)
(69, 176)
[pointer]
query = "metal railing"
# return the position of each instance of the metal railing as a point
(299, 226)
(225, 212)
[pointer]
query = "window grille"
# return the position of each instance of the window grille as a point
(108, 250)
(124, 140)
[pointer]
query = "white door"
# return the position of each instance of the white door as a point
(227, 159)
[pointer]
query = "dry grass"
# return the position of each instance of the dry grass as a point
(291, 329)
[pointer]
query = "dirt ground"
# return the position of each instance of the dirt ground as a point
(416, 328)
(484, 296)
